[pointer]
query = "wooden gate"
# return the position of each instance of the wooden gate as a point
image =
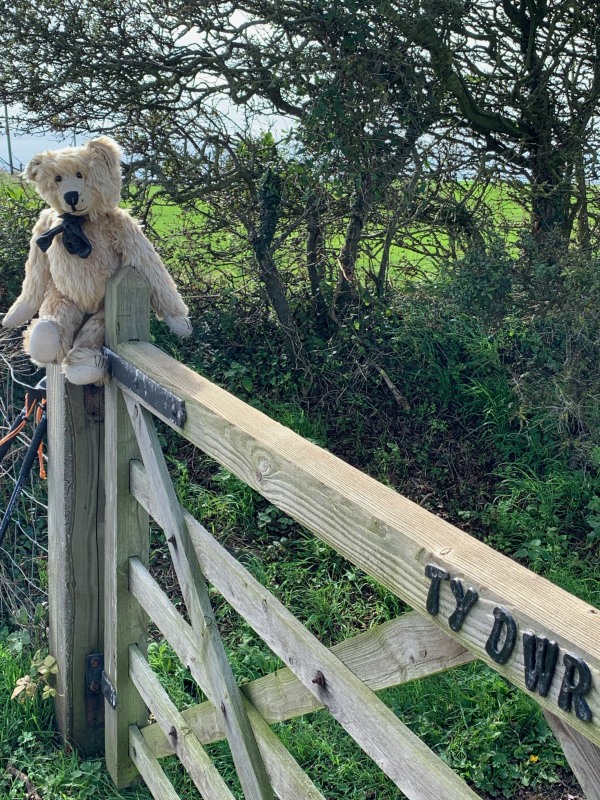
(470, 602)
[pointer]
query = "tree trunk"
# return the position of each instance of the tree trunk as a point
(551, 222)
(347, 285)
(270, 200)
(271, 280)
(315, 258)
(382, 273)
(584, 234)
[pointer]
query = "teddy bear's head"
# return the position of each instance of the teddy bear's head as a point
(79, 180)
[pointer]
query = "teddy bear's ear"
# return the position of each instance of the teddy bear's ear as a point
(32, 169)
(103, 157)
(105, 148)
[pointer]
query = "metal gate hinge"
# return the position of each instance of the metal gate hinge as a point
(94, 705)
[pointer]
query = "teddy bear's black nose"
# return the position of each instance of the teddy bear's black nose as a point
(71, 198)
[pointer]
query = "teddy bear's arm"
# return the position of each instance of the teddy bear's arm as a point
(37, 278)
(138, 252)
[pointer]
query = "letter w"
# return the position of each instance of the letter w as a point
(540, 656)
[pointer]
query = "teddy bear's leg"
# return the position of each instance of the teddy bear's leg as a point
(48, 338)
(85, 363)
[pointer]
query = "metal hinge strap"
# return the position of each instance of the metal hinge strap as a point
(151, 393)
(109, 691)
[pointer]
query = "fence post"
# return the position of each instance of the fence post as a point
(75, 554)
(127, 532)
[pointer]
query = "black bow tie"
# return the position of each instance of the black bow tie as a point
(74, 239)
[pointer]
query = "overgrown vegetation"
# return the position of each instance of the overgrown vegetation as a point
(457, 386)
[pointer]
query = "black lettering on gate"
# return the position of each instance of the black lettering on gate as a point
(503, 623)
(539, 657)
(577, 682)
(464, 603)
(437, 574)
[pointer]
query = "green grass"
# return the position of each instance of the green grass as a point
(29, 743)
(485, 729)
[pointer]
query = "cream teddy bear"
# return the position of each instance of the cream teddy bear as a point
(77, 244)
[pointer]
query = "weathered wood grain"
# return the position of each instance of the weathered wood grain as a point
(395, 652)
(189, 750)
(413, 767)
(149, 767)
(127, 304)
(126, 535)
(75, 553)
(383, 533)
(287, 778)
(285, 775)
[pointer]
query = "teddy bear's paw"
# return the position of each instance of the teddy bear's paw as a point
(85, 368)
(179, 325)
(44, 342)
(18, 314)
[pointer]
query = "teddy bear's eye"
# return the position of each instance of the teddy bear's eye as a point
(58, 179)
(79, 175)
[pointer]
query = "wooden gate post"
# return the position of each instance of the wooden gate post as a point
(75, 556)
(127, 533)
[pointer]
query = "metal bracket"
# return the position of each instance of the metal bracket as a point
(94, 704)
(109, 691)
(152, 394)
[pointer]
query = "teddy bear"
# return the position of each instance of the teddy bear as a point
(77, 244)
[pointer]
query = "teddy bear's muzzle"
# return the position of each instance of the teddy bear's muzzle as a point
(71, 198)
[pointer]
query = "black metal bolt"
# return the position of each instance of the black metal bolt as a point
(319, 678)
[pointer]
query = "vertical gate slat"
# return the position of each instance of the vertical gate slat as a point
(126, 534)
(219, 685)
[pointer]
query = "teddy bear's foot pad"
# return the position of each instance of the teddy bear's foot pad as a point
(85, 371)
(44, 342)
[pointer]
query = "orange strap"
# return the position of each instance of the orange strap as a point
(28, 411)
(38, 417)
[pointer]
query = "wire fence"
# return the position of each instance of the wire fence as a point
(23, 553)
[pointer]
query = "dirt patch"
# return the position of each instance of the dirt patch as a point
(565, 790)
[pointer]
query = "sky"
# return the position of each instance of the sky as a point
(25, 147)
